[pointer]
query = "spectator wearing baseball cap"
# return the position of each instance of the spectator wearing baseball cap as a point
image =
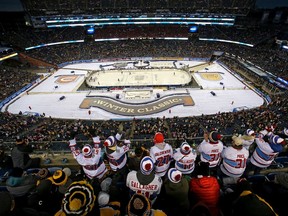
(234, 158)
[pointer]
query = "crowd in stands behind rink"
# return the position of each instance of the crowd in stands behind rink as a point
(205, 188)
(211, 178)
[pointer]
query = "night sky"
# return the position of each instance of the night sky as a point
(15, 5)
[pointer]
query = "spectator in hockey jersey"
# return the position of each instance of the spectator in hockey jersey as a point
(89, 158)
(185, 157)
(161, 154)
(210, 148)
(175, 193)
(205, 189)
(248, 139)
(268, 148)
(144, 181)
(117, 155)
(234, 158)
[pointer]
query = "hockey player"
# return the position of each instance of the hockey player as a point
(89, 158)
(185, 157)
(144, 181)
(161, 154)
(210, 148)
(234, 158)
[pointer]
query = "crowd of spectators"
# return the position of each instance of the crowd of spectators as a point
(37, 7)
(45, 132)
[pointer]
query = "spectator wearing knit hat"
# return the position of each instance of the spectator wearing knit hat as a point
(210, 148)
(161, 154)
(79, 199)
(185, 157)
(139, 205)
(89, 158)
(144, 181)
(268, 148)
(249, 203)
(175, 193)
(248, 139)
(234, 158)
(205, 189)
(106, 207)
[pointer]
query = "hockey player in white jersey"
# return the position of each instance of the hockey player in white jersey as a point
(185, 157)
(234, 158)
(89, 158)
(210, 148)
(144, 181)
(161, 154)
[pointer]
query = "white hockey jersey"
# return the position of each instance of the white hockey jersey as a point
(234, 161)
(118, 158)
(161, 158)
(210, 152)
(94, 166)
(185, 163)
(150, 190)
(263, 155)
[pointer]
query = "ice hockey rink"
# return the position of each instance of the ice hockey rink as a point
(58, 95)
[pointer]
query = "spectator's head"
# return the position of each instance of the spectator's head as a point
(214, 136)
(185, 148)
(250, 132)
(79, 199)
(237, 142)
(158, 138)
(110, 143)
(138, 205)
(138, 151)
(16, 172)
(103, 198)
(43, 173)
(19, 140)
(87, 150)
(146, 165)
(203, 169)
(59, 178)
(7, 203)
(174, 175)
